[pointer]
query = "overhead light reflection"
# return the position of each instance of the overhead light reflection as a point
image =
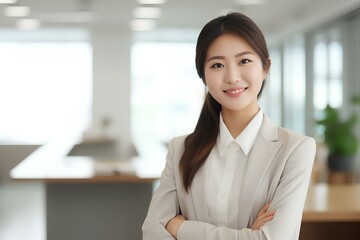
(147, 12)
(151, 1)
(16, 11)
(249, 2)
(8, 1)
(142, 25)
(28, 24)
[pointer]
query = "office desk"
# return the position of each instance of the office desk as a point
(84, 169)
(332, 203)
(90, 198)
(332, 212)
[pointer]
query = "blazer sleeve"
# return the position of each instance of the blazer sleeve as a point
(164, 204)
(288, 200)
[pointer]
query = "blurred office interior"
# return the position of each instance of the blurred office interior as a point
(118, 79)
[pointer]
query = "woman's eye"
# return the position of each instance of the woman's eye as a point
(245, 61)
(217, 65)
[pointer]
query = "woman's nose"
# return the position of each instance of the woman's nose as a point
(232, 74)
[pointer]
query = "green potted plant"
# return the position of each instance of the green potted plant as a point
(340, 139)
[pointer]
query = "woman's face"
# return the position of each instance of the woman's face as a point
(233, 73)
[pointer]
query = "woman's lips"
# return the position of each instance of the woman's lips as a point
(234, 92)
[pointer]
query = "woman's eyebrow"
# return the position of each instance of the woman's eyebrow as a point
(222, 57)
(243, 53)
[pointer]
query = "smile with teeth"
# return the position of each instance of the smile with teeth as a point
(235, 91)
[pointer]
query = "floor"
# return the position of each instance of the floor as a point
(22, 211)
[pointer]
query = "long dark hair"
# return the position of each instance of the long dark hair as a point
(199, 144)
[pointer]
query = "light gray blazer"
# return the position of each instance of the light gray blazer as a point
(278, 171)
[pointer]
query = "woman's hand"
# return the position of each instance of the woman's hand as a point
(263, 217)
(173, 225)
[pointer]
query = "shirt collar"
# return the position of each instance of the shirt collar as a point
(246, 138)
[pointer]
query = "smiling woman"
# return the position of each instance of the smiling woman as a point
(237, 175)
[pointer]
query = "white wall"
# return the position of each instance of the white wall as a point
(111, 85)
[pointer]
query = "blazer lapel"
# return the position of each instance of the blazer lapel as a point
(265, 147)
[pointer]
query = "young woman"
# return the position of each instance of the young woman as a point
(238, 175)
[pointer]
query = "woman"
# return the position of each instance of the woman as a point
(238, 175)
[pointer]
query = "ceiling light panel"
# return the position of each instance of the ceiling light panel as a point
(151, 1)
(8, 1)
(16, 11)
(142, 25)
(28, 24)
(147, 12)
(249, 2)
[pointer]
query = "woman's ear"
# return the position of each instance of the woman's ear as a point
(268, 65)
(269, 60)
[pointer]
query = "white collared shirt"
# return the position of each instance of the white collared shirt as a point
(228, 157)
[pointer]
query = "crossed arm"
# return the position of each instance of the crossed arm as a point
(165, 222)
(265, 215)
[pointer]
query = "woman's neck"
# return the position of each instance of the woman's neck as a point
(236, 121)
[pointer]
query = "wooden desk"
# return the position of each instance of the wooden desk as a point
(84, 169)
(331, 212)
(51, 163)
(332, 203)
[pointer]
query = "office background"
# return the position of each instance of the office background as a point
(89, 69)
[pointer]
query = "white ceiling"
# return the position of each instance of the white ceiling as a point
(274, 17)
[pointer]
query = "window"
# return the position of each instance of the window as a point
(327, 72)
(328, 69)
(294, 84)
(45, 89)
(271, 100)
(166, 93)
